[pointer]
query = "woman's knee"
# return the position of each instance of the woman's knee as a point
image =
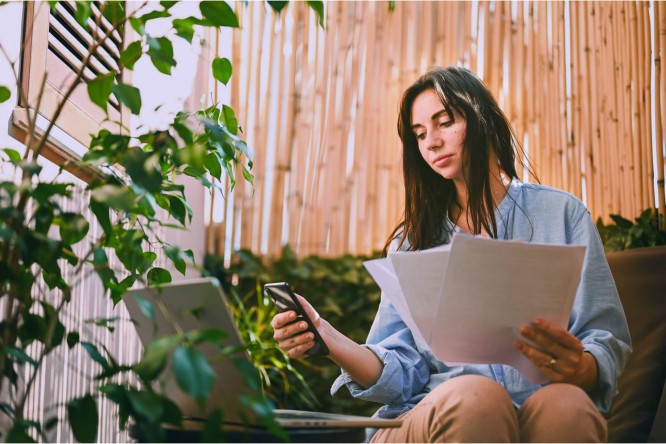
(561, 412)
(470, 390)
(471, 408)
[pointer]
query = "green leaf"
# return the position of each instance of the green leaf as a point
(72, 339)
(5, 94)
(277, 6)
(248, 176)
(160, 51)
(17, 434)
(147, 405)
(152, 363)
(222, 69)
(101, 211)
(210, 335)
(212, 431)
(51, 423)
(178, 208)
(131, 54)
(137, 25)
(144, 169)
(129, 96)
(157, 276)
(114, 11)
(44, 191)
(167, 4)
(146, 307)
(318, 7)
(148, 258)
(180, 125)
(190, 255)
(83, 418)
(173, 253)
(73, 227)
(152, 15)
(193, 372)
(20, 356)
(230, 120)
(185, 27)
(218, 13)
(33, 328)
(120, 198)
(621, 221)
(391, 5)
(95, 354)
(107, 323)
(14, 156)
(82, 12)
(213, 165)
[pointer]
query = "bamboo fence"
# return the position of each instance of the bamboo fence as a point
(580, 81)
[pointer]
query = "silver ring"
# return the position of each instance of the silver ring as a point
(552, 363)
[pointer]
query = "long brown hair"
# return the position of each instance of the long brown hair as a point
(428, 196)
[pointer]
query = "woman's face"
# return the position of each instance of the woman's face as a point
(440, 138)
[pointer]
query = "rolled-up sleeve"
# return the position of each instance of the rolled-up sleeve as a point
(405, 371)
(597, 317)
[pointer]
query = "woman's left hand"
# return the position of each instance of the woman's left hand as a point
(560, 355)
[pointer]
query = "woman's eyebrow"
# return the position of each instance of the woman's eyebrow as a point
(435, 116)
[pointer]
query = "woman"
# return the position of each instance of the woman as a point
(459, 156)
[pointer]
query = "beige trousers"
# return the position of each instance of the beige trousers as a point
(474, 408)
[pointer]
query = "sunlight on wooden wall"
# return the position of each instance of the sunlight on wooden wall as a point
(580, 81)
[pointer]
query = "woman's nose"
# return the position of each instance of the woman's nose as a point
(433, 140)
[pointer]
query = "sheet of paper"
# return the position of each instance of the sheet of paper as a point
(469, 301)
(421, 289)
(383, 273)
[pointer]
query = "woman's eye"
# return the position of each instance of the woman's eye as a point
(446, 123)
(420, 136)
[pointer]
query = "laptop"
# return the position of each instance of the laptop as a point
(201, 303)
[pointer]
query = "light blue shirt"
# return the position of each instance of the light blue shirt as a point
(530, 213)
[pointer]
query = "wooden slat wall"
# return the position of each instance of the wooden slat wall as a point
(581, 82)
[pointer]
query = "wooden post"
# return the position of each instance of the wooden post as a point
(660, 97)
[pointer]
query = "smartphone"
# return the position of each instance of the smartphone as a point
(286, 300)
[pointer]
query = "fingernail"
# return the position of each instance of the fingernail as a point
(292, 315)
(310, 336)
(538, 321)
(303, 325)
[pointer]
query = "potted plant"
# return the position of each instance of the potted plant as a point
(46, 251)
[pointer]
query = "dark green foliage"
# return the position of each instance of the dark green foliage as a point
(624, 234)
(340, 289)
(134, 193)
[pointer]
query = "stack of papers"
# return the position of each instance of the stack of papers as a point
(467, 300)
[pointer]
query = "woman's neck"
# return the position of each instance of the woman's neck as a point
(459, 211)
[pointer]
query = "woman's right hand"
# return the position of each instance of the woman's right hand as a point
(293, 337)
(361, 363)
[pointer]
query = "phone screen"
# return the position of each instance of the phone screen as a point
(286, 300)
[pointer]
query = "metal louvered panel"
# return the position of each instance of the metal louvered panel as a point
(69, 42)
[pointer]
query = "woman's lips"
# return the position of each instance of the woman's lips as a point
(442, 160)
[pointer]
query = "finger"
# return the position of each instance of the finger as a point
(557, 334)
(282, 319)
(296, 344)
(544, 342)
(290, 330)
(557, 369)
(300, 351)
(309, 309)
(540, 358)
